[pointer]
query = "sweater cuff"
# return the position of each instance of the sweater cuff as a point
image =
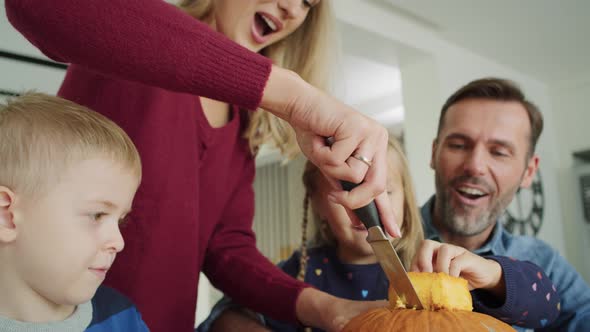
(485, 302)
(282, 306)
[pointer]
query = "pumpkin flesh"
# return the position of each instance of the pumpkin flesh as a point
(448, 307)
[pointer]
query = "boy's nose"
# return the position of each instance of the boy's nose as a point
(116, 242)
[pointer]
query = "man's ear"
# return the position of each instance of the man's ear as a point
(7, 225)
(530, 171)
(433, 152)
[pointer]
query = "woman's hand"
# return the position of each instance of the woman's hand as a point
(315, 116)
(457, 261)
(318, 309)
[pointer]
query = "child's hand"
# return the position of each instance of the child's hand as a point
(457, 261)
(319, 309)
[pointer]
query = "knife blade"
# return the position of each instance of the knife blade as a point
(385, 252)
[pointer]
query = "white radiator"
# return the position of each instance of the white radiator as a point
(279, 200)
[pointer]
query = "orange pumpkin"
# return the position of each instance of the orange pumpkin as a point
(447, 307)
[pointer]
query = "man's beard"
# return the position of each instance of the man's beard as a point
(456, 220)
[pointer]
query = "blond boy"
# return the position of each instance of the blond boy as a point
(68, 176)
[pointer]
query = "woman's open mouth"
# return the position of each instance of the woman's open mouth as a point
(264, 25)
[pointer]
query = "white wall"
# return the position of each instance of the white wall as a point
(570, 101)
(18, 76)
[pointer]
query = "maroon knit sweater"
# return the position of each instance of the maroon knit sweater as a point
(143, 63)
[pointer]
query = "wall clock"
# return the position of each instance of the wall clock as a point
(524, 215)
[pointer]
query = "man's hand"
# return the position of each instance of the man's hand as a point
(457, 261)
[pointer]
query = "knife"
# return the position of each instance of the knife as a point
(385, 252)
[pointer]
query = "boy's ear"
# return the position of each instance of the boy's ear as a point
(7, 225)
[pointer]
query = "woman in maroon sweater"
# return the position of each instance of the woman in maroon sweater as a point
(144, 64)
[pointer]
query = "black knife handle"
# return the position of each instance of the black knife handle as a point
(368, 214)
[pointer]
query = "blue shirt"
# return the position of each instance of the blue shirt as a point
(113, 312)
(574, 292)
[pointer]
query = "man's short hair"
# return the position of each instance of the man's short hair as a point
(42, 135)
(500, 90)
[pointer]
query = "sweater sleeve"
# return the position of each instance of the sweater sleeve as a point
(234, 264)
(148, 41)
(289, 266)
(531, 300)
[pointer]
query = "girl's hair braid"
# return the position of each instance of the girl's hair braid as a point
(303, 259)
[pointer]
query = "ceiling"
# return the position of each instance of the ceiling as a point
(541, 38)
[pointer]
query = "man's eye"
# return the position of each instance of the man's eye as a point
(500, 153)
(456, 146)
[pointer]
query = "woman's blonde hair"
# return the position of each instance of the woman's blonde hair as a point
(307, 52)
(42, 135)
(411, 225)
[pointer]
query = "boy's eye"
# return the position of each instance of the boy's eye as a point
(97, 216)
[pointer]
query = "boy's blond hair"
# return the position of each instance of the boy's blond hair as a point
(42, 135)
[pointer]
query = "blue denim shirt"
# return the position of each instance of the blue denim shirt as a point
(574, 292)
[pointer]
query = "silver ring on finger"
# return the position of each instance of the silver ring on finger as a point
(364, 159)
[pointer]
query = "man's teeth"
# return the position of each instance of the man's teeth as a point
(471, 191)
(270, 23)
